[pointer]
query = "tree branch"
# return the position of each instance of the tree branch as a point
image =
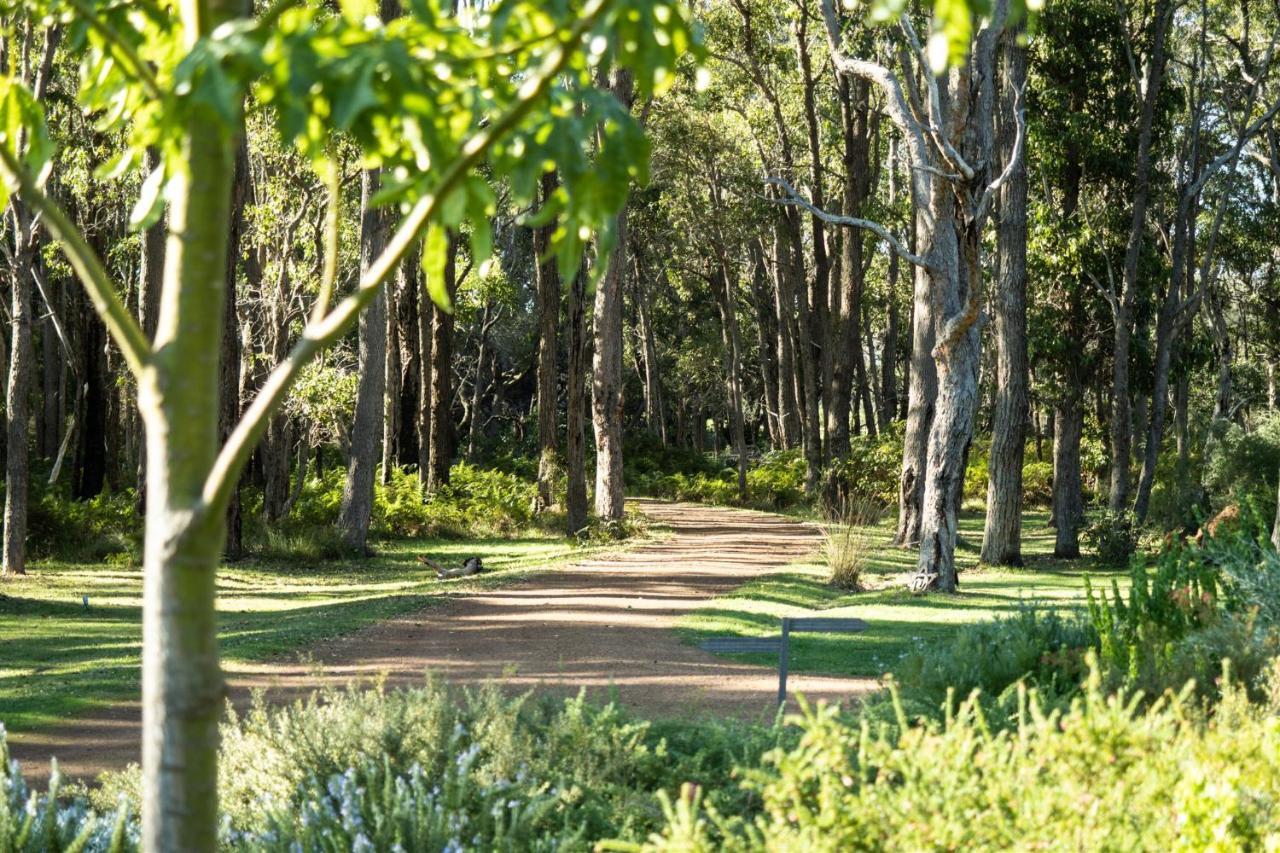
(793, 199)
(323, 333)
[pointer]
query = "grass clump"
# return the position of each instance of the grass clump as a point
(850, 540)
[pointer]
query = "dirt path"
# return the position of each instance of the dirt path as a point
(606, 625)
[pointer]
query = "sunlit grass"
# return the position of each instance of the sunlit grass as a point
(59, 658)
(896, 619)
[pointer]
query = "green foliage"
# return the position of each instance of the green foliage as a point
(1241, 467)
(1113, 537)
(1041, 648)
(428, 765)
(778, 480)
(1037, 483)
(476, 502)
(870, 471)
(1103, 775)
(44, 823)
(106, 527)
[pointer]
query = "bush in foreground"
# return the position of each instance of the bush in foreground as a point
(1104, 775)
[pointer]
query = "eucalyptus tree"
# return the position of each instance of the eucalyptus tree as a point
(948, 124)
(428, 98)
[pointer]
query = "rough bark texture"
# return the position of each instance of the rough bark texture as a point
(576, 406)
(442, 378)
(606, 382)
(229, 370)
(366, 430)
(1002, 534)
(1068, 493)
(17, 395)
(548, 295)
(766, 342)
(732, 346)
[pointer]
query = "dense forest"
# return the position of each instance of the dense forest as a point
(313, 272)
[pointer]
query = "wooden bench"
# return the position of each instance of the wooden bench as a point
(782, 643)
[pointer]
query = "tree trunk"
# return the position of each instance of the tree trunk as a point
(229, 376)
(721, 289)
(1002, 534)
(391, 390)
(576, 406)
(366, 431)
(1122, 304)
(922, 393)
(1068, 494)
(548, 295)
(654, 416)
(426, 324)
(766, 342)
(182, 688)
(606, 384)
(17, 396)
(784, 309)
(442, 378)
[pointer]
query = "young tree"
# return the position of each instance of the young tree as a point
(182, 78)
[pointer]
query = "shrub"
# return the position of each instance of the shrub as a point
(1113, 537)
(1103, 775)
(778, 481)
(103, 527)
(1042, 648)
(1241, 466)
(31, 821)
(1037, 483)
(869, 473)
(474, 766)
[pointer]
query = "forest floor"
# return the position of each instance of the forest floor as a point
(605, 625)
(621, 624)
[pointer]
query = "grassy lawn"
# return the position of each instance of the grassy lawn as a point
(58, 658)
(897, 620)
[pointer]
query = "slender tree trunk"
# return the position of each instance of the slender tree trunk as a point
(1002, 535)
(576, 405)
(1068, 494)
(442, 378)
(784, 308)
(150, 272)
(426, 324)
(17, 396)
(229, 378)
(721, 289)
(1122, 304)
(366, 431)
(922, 393)
(654, 415)
(391, 391)
(182, 688)
(606, 383)
(766, 338)
(548, 295)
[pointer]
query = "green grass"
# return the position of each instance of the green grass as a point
(897, 620)
(59, 659)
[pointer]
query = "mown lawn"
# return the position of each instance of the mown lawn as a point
(897, 620)
(59, 658)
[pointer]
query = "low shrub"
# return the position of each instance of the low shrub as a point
(434, 765)
(1105, 774)
(1040, 648)
(777, 482)
(104, 527)
(45, 823)
(1113, 537)
(1037, 483)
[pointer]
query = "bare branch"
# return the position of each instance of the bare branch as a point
(794, 199)
(1015, 158)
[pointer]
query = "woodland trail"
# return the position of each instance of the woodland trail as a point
(606, 625)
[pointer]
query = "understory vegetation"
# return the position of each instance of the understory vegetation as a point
(1146, 720)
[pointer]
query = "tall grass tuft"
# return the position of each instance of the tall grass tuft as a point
(850, 539)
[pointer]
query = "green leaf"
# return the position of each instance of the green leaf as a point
(146, 211)
(435, 254)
